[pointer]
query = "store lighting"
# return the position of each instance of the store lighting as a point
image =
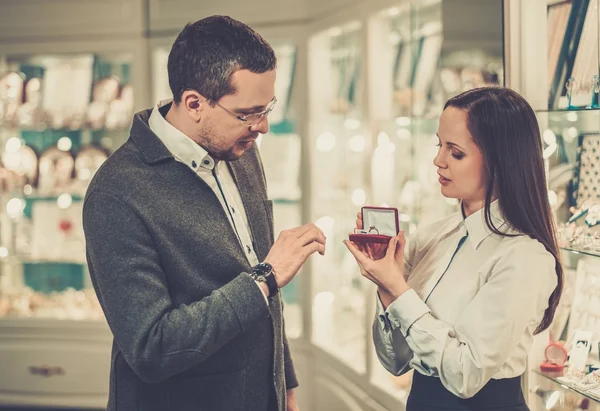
(572, 116)
(324, 299)
(359, 197)
(403, 134)
(394, 11)
(353, 26)
(403, 121)
(325, 223)
(84, 174)
(15, 207)
(552, 198)
(357, 143)
(572, 133)
(352, 124)
(13, 145)
(394, 38)
(383, 139)
(549, 137)
(3, 252)
(64, 144)
(335, 31)
(64, 201)
(326, 142)
(27, 189)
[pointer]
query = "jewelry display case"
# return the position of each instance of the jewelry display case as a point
(61, 115)
(565, 98)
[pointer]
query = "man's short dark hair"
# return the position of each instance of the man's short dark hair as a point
(207, 53)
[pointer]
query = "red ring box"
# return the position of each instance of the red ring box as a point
(384, 219)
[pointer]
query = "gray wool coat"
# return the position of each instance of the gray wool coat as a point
(192, 332)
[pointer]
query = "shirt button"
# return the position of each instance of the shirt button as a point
(194, 164)
(206, 162)
(233, 210)
(249, 249)
(397, 323)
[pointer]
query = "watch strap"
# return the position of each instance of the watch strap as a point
(272, 284)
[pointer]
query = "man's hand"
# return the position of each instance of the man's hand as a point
(292, 249)
(292, 405)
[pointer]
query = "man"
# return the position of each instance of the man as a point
(179, 235)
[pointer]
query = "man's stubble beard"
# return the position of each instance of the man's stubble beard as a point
(206, 139)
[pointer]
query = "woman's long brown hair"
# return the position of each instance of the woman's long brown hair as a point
(505, 128)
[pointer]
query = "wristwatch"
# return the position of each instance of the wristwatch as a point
(264, 272)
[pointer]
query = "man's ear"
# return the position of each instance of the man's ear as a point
(194, 103)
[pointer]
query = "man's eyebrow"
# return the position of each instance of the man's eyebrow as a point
(253, 108)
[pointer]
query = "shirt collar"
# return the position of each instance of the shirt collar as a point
(478, 229)
(180, 145)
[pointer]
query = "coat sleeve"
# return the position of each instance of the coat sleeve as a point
(157, 339)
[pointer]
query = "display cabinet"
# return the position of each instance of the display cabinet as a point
(61, 115)
(565, 97)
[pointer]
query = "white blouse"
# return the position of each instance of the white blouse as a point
(475, 300)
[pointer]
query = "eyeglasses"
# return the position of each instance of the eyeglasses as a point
(253, 118)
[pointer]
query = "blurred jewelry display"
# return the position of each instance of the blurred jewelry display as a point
(11, 95)
(68, 304)
(345, 61)
(112, 105)
(55, 171)
(587, 178)
(44, 105)
(585, 309)
(20, 159)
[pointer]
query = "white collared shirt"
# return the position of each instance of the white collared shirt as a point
(475, 300)
(185, 150)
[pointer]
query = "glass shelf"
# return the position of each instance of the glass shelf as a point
(582, 252)
(553, 376)
(568, 110)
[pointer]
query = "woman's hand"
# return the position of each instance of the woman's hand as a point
(387, 272)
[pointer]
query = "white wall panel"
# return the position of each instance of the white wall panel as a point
(59, 18)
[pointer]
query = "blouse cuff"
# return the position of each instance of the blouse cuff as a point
(405, 310)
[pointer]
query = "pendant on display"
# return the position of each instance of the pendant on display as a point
(88, 161)
(31, 114)
(11, 95)
(22, 161)
(105, 91)
(10, 181)
(55, 171)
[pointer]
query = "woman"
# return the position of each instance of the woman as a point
(461, 301)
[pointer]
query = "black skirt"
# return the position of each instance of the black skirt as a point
(428, 394)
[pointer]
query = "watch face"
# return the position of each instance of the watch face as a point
(264, 268)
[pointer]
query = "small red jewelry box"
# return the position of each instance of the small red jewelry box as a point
(380, 224)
